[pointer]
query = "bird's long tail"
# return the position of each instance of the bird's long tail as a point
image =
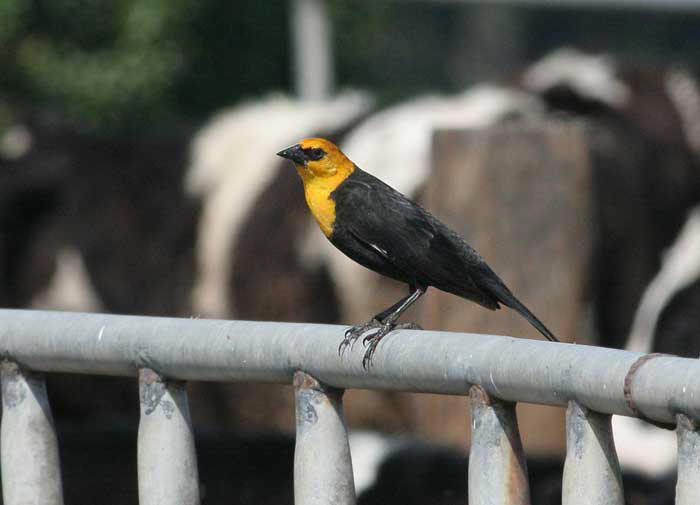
(521, 309)
(503, 294)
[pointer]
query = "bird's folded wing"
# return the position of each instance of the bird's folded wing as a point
(408, 236)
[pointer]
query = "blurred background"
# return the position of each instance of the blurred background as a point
(138, 176)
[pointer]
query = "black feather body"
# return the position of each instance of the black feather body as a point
(381, 229)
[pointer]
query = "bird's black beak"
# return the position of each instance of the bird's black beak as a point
(293, 153)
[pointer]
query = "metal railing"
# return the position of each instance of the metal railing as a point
(495, 372)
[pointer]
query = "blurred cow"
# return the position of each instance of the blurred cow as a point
(666, 321)
(642, 125)
(151, 224)
(644, 130)
(128, 224)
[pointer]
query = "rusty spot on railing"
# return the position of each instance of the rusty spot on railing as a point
(627, 389)
(479, 394)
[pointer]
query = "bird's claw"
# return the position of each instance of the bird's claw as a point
(355, 332)
(367, 358)
(372, 340)
(345, 343)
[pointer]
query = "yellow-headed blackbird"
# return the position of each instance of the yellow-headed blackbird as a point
(379, 228)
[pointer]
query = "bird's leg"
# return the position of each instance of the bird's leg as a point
(388, 325)
(352, 334)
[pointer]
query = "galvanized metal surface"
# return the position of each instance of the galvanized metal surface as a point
(688, 484)
(322, 465)
(591, 470)
(31, 472)
(497, 466)
(508, 368)
(167, 463)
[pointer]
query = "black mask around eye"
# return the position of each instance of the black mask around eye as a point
(314, 153)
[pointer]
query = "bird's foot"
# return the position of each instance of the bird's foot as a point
(372, 340)
(355, 332)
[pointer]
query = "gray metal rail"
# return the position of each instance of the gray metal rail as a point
(496, 371)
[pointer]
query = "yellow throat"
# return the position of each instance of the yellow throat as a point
(317, 190)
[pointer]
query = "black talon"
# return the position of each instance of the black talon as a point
(367, 358)
(345, 343)
(373, 343)
(374, 338)
(384, 323)
(355, 332)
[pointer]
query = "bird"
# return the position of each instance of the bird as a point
(382, 230)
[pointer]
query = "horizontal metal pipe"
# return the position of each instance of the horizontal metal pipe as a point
(508, 368)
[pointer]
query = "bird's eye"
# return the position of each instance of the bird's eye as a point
(314, 153)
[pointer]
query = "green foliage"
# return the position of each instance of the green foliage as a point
(127, 63)
(114, 64)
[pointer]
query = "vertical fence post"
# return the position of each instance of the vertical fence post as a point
(313, 49)
(167, 463)
(322, 464)
(688, 485)
(497, 466)
(31, 470)
(591, 470)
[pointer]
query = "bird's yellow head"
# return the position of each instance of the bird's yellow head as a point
(319, 161)
(322, 167)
